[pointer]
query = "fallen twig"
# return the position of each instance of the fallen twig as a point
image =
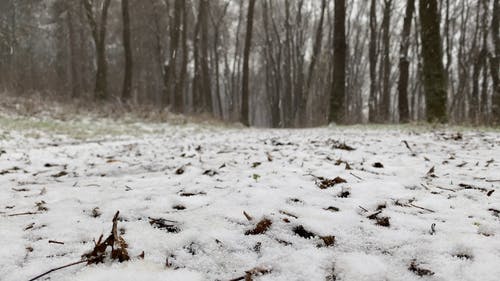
(444, 188)
(468, 186)
(421, 208)
(23, 214)
(358, 177)
(58, 268)
(366, 211)
(409, 148)
(288, 214)
(424, 186)
(249, 218)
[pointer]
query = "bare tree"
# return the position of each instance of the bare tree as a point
(404, 63)
(127, 47)
(433, 70)
(337, 110)
(313, 61)
(385, 102)
(98, 31)
(372, 57)
(495, 63)
(217, 21)
(246, 66)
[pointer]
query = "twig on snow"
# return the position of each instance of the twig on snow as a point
(23, 214)
(422, 208)
(358, 177)
(409, 148)
(57, 268)
(249, 218)
(366, 211)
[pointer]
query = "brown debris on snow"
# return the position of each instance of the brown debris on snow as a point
(324, 183)
(116, 242)
(164, 224)
(249, 274)
(419, 270)
(261, 227)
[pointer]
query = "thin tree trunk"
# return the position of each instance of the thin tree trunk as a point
(449, 50)
(286, 102)
(337, 98)
(484, 59)
(272, 76)
(235, 92)
(216, 23)
(206, 90)
(314, 58)
(127, 47)
(476, 71)
(458, 108)
(99, 37)
(385, 104)
(101, 88)
(495, 63)
(404, 64)
(246, 66)
(372, 56)
(75, 78)
(181, 85)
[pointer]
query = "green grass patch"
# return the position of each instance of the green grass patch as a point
(77, 129)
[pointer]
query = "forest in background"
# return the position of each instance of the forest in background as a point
(271, 63)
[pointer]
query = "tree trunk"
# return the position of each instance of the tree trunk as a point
(205, 70)
(372, 54)
(337, 111)
(127, 48)
(181, 85)
(458, 105)
(495, 63)
(476, 70)
(449, 50)
(170, 79)
(271, 85)
(385, 105)
(286, 102)
(75, 76)
(99, 37)
(484, 58)
(312, 65)
(433, 70)
(404, 64)
(246, 65)
(216, 23)
(101, 88)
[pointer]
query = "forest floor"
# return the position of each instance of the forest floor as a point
(205, 202)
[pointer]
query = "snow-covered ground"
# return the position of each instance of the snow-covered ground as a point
(182, 192)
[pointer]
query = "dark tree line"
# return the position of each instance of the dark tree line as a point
(276, 63)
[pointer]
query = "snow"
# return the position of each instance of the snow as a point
(268, 174)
